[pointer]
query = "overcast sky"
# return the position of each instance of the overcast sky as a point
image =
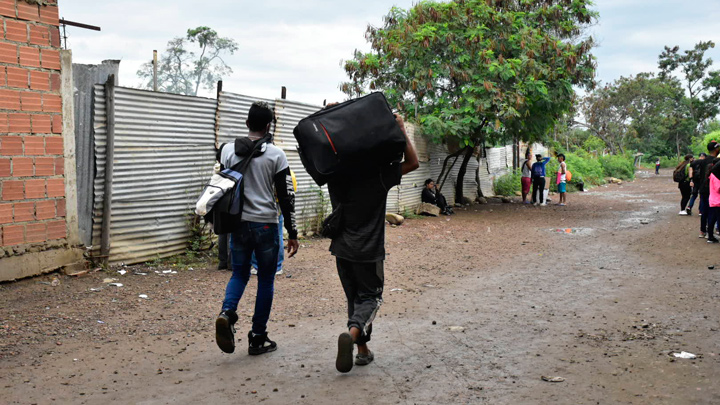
(300, 44)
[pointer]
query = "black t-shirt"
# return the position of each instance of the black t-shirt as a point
(363, 197)
(705, 167)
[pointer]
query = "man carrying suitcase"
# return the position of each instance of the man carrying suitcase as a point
(359, 248)
(268, 174)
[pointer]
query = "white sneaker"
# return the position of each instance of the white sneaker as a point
(279, 272)
(543, 204)
(682, 212)
(253, 271)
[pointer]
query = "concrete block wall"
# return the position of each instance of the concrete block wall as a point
(32, 166)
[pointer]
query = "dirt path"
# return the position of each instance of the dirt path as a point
(478, 307)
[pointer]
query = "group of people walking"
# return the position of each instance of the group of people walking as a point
(701, 178)
(358, 245)
(534, 175)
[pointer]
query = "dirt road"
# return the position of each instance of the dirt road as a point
(477, 308)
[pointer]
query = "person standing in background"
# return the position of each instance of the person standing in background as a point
(526, 176)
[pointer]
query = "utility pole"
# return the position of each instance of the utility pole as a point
(155, 70)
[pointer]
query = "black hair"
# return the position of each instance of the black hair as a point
(259, 116)
(428, 181)
(560, 155)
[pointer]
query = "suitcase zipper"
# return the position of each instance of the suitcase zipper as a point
(328, 137)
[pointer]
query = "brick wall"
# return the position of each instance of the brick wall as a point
(32, 183)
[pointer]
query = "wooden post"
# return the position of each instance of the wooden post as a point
(109, 157)
(155, 87)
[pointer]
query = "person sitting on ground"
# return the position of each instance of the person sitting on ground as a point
(431, 195)
(682, 176)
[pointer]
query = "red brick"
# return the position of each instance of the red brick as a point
(29, 56)
(7, 8)
(55, 145)
(22, 167)
(8, 53)
(17, 77)
(27, 11)
(4, 122)
(4, 167)
(6, 214)
(39, 80)
(55, 37)
(39, 35)
(12, 190)
(45, 210)
(57, 124)
(3, 76)
(19, 123)
(49, 15)
(30, 101)
(44, 166)
(54, 82)
(16, 31)
(52, 103)
(35, 188)
(56, 188)
(11, 145)
(41, 124)
(34, 145)
(60, 166)
(60, 208)
(24, 211)
(56, 230)
(50, 59)
(9, 99)
(13, 235)
(36, 233)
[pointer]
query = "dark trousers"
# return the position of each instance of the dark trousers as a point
(686, 192)
(224, 258)
(694, 196)
(538, 187)
(713, 216)
(260, 238)
(363, 284)
(704, 212)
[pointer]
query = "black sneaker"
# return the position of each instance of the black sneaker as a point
(223, 266)
(225, 330)
(713, 240)
(689, 211)
(260, 344)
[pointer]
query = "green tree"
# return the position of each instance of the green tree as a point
(183, 71)
(593, 143)
(478, 71)
(701, 83)
(643, 112)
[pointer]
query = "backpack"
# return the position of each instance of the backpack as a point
(537, 170)
(680, 175)
(568, 175)
(221, 202)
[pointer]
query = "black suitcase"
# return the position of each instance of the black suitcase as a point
(353, 135)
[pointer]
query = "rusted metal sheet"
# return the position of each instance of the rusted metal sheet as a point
(164, 152)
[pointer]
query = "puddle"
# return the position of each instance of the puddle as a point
(573, 231)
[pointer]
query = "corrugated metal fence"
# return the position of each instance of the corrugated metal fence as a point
(164, 153)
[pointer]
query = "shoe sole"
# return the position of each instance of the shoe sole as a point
(224, 336)
(344, 361)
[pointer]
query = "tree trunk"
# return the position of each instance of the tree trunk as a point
(515, 153)
(477, 178)
(440, 181)
(468, 151)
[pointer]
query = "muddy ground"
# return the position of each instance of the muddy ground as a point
(478, 307)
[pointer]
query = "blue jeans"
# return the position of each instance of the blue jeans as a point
(281, 250)
(704, 212)
(261, 239)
